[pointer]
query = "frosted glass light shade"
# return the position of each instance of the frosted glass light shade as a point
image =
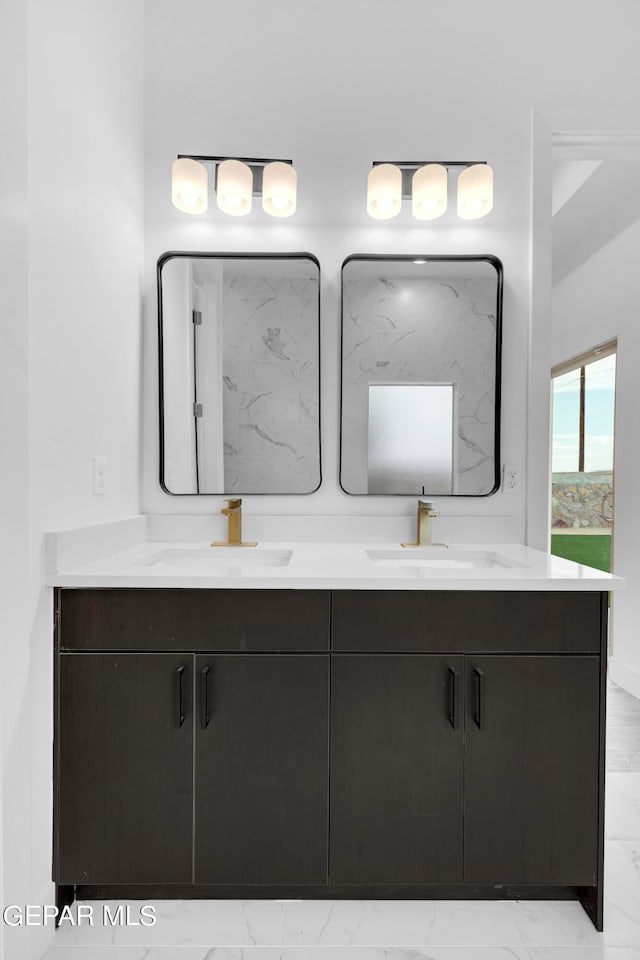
(189, 185)
(279, 189)
(429, 191)
(234, 187)
(475, 192)
(384, 191)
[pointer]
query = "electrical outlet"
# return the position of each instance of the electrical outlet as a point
(99, 476)
(510, 479)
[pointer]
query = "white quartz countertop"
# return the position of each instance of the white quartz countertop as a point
(349, 566)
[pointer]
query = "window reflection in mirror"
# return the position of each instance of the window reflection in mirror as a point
(240, 379)
(402, 459)
(421, 375)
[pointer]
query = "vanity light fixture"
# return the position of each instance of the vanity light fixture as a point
(234, 187)
(426, 183)
(279, 189)
(475, 191)
(189, 185)
(236, 181)
(384, 191)
(429, 191)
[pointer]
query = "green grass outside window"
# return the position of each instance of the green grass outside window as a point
(594, 550)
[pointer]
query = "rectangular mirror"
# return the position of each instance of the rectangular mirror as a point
(421, 341)
(239, 365)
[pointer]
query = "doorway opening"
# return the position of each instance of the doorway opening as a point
(583, 393)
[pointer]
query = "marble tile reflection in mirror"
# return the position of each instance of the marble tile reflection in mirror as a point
(239, 366)
(421, 375)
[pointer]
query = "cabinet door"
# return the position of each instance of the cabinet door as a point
(125, 769)
(261, 768)
(531, 770)
(396, 769)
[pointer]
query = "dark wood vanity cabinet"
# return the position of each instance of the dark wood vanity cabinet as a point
(138, 804)
(408, 731)
(531, 770)
(308, 743)
(124, 771)
(261, 761)
(396, 769)
(182, 767)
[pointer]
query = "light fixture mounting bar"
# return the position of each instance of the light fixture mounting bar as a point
(416, 164)
(251, 161)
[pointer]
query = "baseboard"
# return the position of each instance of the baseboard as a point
(625, 676)
(326, 891)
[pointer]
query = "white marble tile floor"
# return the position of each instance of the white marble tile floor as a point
(391, 930)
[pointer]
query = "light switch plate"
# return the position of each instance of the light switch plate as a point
(99, 476)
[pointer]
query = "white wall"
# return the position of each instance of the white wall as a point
(335, 86)
(14, 726)
(72, 374)
(85, 197)
(305, 82)
(594, 303)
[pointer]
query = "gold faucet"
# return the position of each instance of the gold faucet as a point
(425, 515)
(233, 513)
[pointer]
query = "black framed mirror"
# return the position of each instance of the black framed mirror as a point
(420, 386)
(239, 373)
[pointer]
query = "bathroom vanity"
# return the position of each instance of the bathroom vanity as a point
(296, 730)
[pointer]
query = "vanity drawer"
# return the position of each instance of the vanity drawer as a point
(472, 621)
(207, 620)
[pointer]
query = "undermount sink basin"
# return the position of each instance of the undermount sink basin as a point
(218, 559)
(412, 559)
